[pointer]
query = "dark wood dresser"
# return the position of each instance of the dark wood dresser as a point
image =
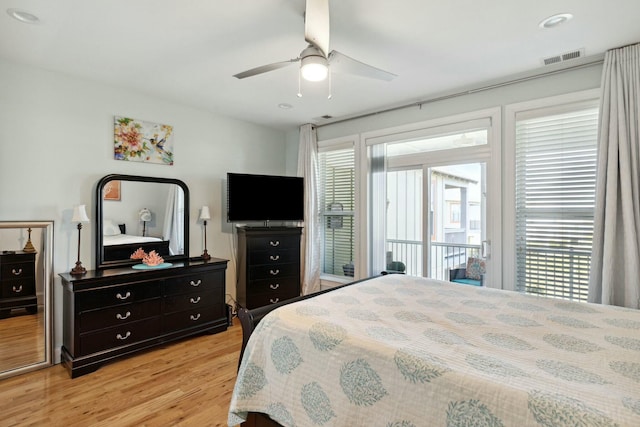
(17, 282)
(116, 312)
(268, 265)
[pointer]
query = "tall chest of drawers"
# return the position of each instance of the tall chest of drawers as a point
(117, 312)
(17, 282)
(268, 265)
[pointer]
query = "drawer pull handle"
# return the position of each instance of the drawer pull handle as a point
(276, 243)
(276, 286)
(16, 272)
(195, 300)
(127, 335)
(121, 317)
(274, 257)
(273, 301)
(274, 272)
(18, 289)
(192, 283)
(196, 317)
(119, 295)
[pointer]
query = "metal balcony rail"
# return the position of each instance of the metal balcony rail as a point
(444, 256)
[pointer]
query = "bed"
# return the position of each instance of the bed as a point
(404, 351)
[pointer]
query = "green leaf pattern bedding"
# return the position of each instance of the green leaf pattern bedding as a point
(401, 351)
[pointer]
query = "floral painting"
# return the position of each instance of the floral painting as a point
(141, 141)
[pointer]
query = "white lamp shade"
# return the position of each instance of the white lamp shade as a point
(79, 214)
(205, 214)
(145, 214)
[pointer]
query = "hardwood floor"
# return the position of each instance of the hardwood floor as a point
(21, 339)
(188, 383)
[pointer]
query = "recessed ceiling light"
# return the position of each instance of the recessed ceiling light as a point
(555, 20)
(285, 106)
(22, 16)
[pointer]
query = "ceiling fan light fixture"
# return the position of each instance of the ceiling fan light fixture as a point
(314, 68)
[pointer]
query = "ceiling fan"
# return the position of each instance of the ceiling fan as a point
(316, 58)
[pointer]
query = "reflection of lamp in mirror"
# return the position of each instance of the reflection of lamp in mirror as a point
(205, 215)
(29, 246)
(79, 216)
(145, 216)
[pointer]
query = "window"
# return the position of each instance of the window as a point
(555, 155)
(337, 200)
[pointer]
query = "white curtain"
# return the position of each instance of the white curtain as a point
(174, 220)
(311, 233)
(615, 262)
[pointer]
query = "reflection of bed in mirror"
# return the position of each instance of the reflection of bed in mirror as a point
(119, 245)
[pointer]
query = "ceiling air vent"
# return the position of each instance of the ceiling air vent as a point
(578, 53)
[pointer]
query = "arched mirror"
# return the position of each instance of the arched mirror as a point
(26, 257)
(135, 212)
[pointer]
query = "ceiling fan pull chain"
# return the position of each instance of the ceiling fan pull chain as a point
(329, 97)
(299, 84)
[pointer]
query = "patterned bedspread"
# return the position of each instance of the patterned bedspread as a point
(402, 351)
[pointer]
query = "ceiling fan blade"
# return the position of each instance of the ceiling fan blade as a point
(316, 24)
(341, 63)
(264, 69)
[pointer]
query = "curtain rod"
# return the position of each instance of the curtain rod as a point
(599, 60)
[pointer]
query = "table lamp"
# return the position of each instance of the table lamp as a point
(79, 216)
(205, 215)
(145, 216)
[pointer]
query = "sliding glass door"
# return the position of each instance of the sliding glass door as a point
(430, 198)
(436, 217)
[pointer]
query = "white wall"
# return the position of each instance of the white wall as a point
(532, 88)
(56, 142)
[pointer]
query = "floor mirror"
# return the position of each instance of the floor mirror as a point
(26, 258)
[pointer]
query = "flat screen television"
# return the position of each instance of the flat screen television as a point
(264, 198)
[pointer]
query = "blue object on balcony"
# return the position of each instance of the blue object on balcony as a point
(468, 282)
(459, 275)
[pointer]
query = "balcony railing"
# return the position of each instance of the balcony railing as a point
(444, 256)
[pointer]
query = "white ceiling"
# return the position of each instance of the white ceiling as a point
(188, 50)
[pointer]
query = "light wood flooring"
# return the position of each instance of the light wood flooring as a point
(186, 383)
(21, 339)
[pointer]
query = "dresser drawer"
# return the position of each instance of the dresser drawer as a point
(117, 295)
(258, 300)
(273, 271)
(194, 283)
(119, 335)
(18, 288)
(191, 318)
(119, 315)
(274, 257)
(194, 301)
(274, 286)
(14, 270)
(261, 243)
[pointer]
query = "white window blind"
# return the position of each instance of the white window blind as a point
(555, 198)
(337, 199)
